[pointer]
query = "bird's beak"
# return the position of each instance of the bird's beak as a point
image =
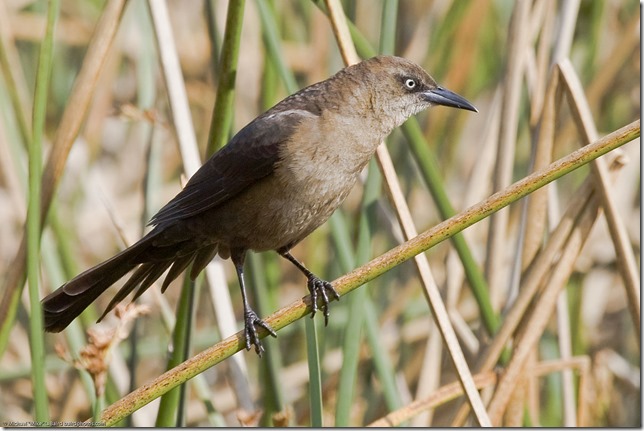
(441, 96)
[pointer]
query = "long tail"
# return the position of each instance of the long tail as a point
(68, 301)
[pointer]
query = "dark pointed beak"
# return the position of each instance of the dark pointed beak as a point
(441, 96)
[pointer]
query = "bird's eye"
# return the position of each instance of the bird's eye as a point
(410, 83)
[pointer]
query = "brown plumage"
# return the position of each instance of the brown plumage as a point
(276, 181)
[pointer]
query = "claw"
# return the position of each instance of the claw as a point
(251, 322)
(320, 287)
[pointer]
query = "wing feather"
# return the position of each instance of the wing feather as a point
(250, 156)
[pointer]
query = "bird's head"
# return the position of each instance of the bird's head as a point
(400, 88)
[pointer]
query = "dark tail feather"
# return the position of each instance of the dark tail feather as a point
(152, 276)
(68, 301)
(153, 258)
(202, 258)
(177, 268)
(141, 272)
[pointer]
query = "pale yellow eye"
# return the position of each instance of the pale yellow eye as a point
(410, 84)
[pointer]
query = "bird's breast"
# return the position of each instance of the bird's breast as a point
(330, 149)
(317, 168)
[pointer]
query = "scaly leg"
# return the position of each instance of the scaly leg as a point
(316, 286)
(251, 320)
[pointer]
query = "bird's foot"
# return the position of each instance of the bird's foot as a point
(251, 322)
(319, 287)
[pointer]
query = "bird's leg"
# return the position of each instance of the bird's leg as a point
(251, 320)
(316, 286)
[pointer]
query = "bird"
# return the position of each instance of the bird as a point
(276, 181)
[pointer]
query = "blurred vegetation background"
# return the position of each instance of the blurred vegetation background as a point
(381, 350)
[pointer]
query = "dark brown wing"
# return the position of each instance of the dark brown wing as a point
(250, 156)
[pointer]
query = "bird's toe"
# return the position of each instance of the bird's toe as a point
(321, 288)
(251, 336)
